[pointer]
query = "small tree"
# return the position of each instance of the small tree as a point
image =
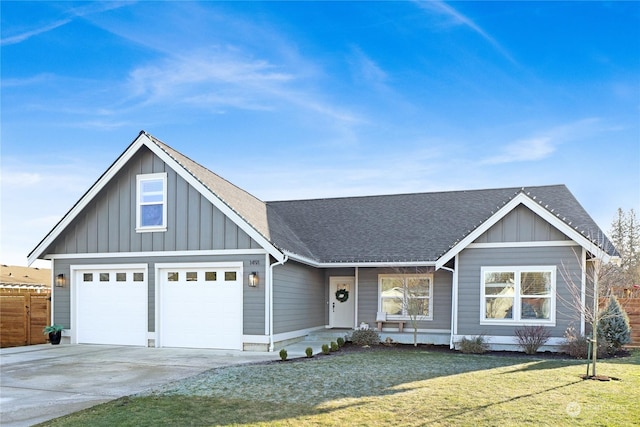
(614, 326)
(415, 287)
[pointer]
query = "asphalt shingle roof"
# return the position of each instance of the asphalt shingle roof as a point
(386, 228)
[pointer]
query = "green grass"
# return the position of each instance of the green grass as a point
(387, 387)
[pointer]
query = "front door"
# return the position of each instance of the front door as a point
(342, 302)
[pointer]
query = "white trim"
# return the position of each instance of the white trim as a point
(147, 254)
(525, 200)
(215, 200)
(535, 244)
(255, 339)
(94, 190)
(508, 339)
(391, 317)
(310, 262)
(73, 290)
(357, 281)
(583, 292)
(517, 296)
(140, 178)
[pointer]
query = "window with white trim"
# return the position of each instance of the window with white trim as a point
(151, 209)
(523, 295)
(401, 295)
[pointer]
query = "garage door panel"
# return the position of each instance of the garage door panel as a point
(201, 308)
(111, 307)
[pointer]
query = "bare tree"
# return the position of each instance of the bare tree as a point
(585, 300)
(414, 297)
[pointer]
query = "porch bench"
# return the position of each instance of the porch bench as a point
(399, 322)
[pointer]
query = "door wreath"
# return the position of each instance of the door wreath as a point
(342, 295)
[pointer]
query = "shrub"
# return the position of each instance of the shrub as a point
(308, 351)
(365, 337)
(577, 345)
(325, 348)
(340, 341)
(334, 346)
(475, 345)
(531, 338)
(613, 326)
(283, 354)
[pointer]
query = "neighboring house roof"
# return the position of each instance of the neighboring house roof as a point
(12, 276)
(401, 228)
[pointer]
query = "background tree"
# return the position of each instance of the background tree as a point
(625, 236)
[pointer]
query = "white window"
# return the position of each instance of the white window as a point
(152, 202)
(518, 295)
(405, 295)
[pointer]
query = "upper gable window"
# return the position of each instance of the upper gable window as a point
(151, 209)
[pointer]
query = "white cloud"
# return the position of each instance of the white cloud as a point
(545, 143)
(457, 18)
(365, 70)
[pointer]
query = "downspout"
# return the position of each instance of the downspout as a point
(454, 298)
(285, 259)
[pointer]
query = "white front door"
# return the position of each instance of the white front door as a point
(342, 302)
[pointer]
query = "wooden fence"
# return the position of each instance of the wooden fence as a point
(23, 315)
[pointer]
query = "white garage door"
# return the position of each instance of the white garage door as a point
(111, 306)
(200, 306)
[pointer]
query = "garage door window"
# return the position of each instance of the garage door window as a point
(138, 277)
(192, 276)
(172, 276)
(210, 276)
(104, 277)
(230, 276)
(87, 277)
(121, 277)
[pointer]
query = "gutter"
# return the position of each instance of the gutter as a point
(285, 259)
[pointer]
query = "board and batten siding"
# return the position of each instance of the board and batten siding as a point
(568, 273)
(108, 223)
(521, 225)
(253, 307)
(368, 298)
(299, 297)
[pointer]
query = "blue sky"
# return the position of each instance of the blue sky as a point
(296, 100)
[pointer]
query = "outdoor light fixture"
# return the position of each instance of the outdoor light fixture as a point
(60, 280)
(253, 279)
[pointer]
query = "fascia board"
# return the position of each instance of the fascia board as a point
(87, 197)
(216, 201)
(313, 263)
(536, 208)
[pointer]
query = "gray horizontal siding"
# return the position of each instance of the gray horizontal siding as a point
(299, 297)
(253, 308)
(368, 298)
(521, 225)
(566, 260)
(108, 223)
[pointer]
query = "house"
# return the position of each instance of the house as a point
(161, 251)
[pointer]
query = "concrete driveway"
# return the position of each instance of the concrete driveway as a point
(42, 382)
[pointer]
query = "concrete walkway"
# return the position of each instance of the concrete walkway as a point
(42, 382)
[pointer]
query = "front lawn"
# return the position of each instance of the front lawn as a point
(381, 387)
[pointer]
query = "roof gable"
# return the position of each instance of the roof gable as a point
(418, 228)
(189, 171)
